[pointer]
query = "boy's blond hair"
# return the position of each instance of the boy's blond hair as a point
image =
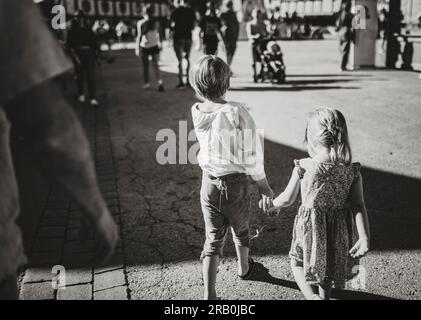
(210, 77)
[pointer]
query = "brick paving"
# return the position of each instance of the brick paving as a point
(57, 239)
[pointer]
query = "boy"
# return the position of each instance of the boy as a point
(230, 150)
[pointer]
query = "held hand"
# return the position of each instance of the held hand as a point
(105, 234)
(360, 248)
(265, 203)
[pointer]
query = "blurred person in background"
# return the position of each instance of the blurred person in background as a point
(256, 32)
(346, 33)
(32, 104)
(101, 28)
(82, 44)
(121, 31)
(210, 33)
(183, 21)
(231, 31)
(148, 45)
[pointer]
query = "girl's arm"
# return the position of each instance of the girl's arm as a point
(288, 197)
(361, 218)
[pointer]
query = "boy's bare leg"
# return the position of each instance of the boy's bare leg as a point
(9, 288)
(325, 290)
(210, 268)
(298, 273)
(243, 259)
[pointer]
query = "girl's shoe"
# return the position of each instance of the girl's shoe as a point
(249, 272)
(82, 98)
(146, 86)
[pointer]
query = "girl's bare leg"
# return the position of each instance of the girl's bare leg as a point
(325, 290)
(298, 272)
(210, 268)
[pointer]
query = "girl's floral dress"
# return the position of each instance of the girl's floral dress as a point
(322, 235)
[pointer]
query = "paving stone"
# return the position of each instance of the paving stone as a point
(37, 274)
(51, 232)
(48, 245)
(72, 235)
(74, 223)
(117, 293)
(78, 276)
(78, 292)
(112, 202)
(55, 213)
(37, 291)
(44, 259)
(78, 246)
(60, 221)
(77, 260)
(109, 279)
(110, 195)
(115, 262)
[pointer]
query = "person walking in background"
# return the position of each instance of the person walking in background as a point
(121, 31)
(331, 189)
(148, 46)
(210, 26)
(231, 29)
(31, 103)
(346, 33)
(83, 46)
(183, 20)
(224, 196)
(256, 31)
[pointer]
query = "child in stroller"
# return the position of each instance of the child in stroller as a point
(268, 52)
(273, 63)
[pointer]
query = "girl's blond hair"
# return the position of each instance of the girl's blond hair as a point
(332, 133)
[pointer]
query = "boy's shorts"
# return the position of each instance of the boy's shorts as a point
(225, 203)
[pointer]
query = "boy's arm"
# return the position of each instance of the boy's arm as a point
(361, 218)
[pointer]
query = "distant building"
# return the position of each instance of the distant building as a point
(115, 9)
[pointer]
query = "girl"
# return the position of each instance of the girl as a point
(331, 187)
(148, 40)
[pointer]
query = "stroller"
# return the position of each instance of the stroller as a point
(267, 52)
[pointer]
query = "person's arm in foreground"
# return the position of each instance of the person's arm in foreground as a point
(361, 219)
(49, 124)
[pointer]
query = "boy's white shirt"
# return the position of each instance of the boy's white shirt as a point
(229, 141)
